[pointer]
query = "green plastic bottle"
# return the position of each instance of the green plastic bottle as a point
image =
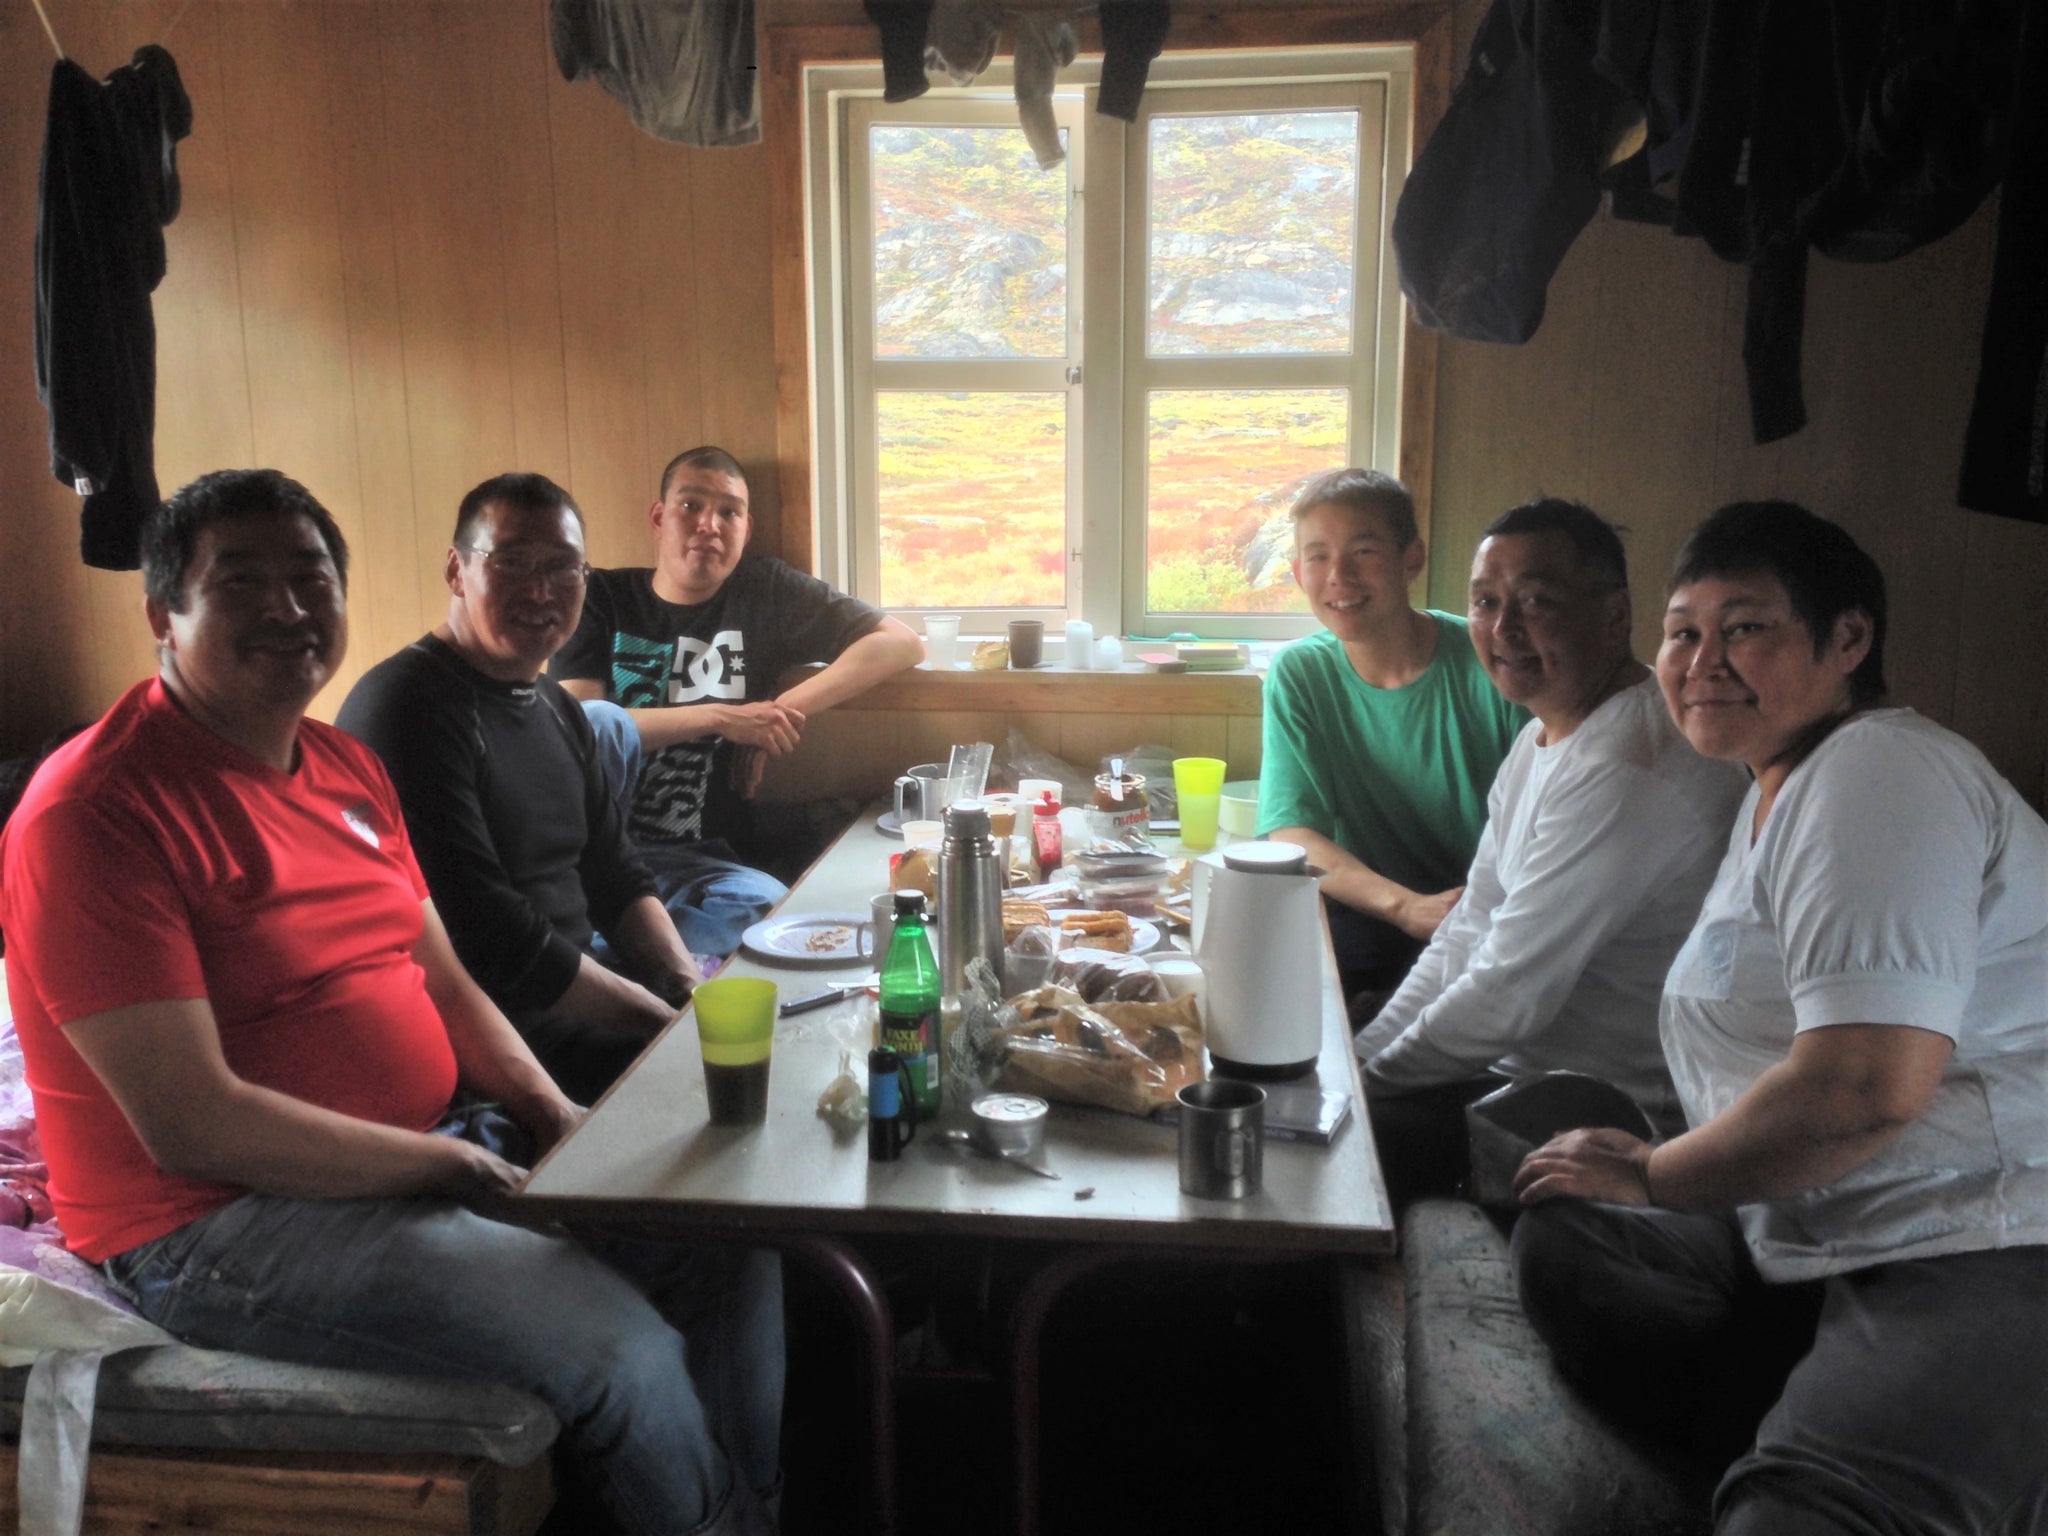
(910, 1000)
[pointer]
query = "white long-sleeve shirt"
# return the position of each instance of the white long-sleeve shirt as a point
(1597, 852)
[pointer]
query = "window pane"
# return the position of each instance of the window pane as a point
(1222, 467)
(970, 244)
(1252, 235)
(973, 499)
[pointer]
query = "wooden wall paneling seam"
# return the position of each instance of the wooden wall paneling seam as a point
(385, 584)
(536, 363)
(738, 256)
(288, 241)
(672, 324)
(605, 272)
(441, 121)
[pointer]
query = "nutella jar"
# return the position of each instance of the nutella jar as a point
(1121, 808)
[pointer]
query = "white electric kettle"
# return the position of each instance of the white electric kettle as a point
(1258, 930)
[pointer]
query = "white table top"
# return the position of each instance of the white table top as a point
(648, 1156)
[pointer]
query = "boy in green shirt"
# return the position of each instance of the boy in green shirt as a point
(1382, 732)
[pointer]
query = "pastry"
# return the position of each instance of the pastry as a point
(1096, 930)
(1019, 915)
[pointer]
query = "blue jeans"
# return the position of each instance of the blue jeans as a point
(712, 900)
(663, 1362)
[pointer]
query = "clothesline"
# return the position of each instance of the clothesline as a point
(44, 17)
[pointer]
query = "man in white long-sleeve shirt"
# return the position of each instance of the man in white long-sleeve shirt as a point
(1603, 832)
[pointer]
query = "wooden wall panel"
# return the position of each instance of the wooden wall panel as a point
(410, 255)
(442, 128)
(385, 593)
(736, 322)
(604, 274)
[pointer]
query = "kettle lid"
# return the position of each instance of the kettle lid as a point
(1266, 858)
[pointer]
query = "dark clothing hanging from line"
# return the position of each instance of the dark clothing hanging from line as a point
(684, 68)
(1861, 128)
(2005, 450)
(109, 184)
(959, 37)
(1133, 32)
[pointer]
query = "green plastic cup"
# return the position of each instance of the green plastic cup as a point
(736, 1030)
(1198, 787)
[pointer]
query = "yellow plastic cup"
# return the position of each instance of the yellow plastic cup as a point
(735, 1031)
(1198, 786)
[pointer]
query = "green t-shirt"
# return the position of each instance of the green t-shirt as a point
(1396, 776)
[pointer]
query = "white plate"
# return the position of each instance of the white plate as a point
(1145, 935)
(794, 940)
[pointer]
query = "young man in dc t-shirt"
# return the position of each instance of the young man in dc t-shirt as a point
(679, 666)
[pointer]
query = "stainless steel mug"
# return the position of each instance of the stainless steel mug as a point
(923, 793)
(1222, 1138)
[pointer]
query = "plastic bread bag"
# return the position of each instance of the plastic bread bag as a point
(1028, 957)
(1130, 1057)
(1103, 975)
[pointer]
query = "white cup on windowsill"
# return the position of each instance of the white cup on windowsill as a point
(941, 640)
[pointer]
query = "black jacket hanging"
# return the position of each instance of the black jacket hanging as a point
(109, 185)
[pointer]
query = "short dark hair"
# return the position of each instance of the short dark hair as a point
(171, 532)
(1362, 490)
(1824, 572)
(707, 456)
(521, 491)
(1597, 541)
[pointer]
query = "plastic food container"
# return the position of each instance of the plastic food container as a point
(1121, 880)
(1238, 811)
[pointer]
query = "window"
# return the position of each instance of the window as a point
(1091, 390)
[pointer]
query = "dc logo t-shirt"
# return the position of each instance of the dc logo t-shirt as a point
(731, 649)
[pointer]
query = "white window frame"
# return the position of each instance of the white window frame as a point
(1105, 505)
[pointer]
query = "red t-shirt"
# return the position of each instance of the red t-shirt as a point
(149, 861)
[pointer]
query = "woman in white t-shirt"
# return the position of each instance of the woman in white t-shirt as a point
(1839, 1274)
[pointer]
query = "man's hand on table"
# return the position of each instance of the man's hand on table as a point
(471, 1172)
(547, 1119)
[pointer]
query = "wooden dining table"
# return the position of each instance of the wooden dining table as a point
(647, 1159)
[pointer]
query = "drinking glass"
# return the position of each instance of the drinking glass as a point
(1198, 786)
(736, 1030)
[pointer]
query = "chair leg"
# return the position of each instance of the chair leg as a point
(870, 1308)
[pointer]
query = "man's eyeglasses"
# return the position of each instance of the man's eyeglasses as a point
(521, 565)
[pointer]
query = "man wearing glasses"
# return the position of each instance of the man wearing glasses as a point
(682, 667)
(511, 817)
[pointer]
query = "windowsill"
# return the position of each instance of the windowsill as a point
(1053, 687)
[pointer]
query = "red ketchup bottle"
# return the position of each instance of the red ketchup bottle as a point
(1046, 852)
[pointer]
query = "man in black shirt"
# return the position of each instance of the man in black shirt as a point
(511, 816)
(679, 665)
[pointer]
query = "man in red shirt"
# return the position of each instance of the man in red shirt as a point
(243, 1024)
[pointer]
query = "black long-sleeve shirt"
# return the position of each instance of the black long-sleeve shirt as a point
(509, 812)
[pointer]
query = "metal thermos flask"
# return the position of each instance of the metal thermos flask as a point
(970, 896)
